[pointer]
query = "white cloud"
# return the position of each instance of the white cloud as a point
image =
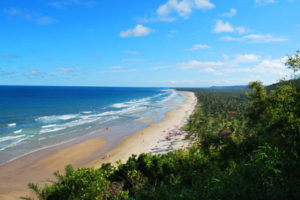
(225, 56)
(213, 71)
(147, 19)
(67, 70)
(131, 61)
(120, 69)
(183, 8)
(264, 38)
(219, 68)
(209, 70)
(256, 38)
(241, 30)
(131, 52)
(7, 72)
(246, 58)
(264, 1)
(30, 16)
(12, 11)
(45, 20)
(61, 4)
(275, 67)
(9, 56)
(204, 4)
(223, 27)
(169, 11)
(197, 64)
(270, 67)
(159, 67)
(137, 31)
(232, 12)
(33, 73)
(199, 46)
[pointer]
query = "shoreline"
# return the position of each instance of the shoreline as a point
(16, 174)
(152, 139)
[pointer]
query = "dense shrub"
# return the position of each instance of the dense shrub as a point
(246, 147)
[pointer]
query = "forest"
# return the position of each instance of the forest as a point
(246, 146)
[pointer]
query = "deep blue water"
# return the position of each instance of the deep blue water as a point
(39, 113)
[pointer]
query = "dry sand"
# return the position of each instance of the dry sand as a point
(39, 167)
(15, 175)
(152, 139)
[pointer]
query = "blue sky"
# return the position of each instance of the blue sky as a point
(190, 43)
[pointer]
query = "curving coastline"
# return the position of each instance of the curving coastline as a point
(16, 174)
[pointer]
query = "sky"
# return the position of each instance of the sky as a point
(145, 43)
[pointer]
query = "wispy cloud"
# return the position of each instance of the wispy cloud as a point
(226, 27)
(263, 67)
(159, 67)
(221, 27)
(9, 56)
(197, 64)
(211, 66)
(199, 46)
(260, 2)
(12, 11)
(131, 52)
(131, 61)
(63, 4)
(45, 20)
(232, 12)
(246, 58)
(256, 38)
(138, 31)
(183, 8)
(274, 67)
(33, 74)
(29, 16)
(204, 4)
(151, 19)
(173, 9)
(242, 30)
(120, 69)
(7, 72)
(67, 70)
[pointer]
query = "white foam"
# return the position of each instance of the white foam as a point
(119, 105)
(12, 124)
(49, 126)
(171, 96)
(6, 138)
(47, 130)
(53, 118)
(18, 131)
(15, 143)
(144, 101)
(86, 117)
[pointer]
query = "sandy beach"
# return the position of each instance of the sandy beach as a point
(153, 139)
(38, 167)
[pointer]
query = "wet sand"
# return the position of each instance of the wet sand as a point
(38, 167)
(152, 138)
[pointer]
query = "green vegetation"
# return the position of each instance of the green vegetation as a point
(247, 146)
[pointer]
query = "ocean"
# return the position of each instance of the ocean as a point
(35, 117)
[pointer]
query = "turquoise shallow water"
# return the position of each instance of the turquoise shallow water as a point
(34, 117)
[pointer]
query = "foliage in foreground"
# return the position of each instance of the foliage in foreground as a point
(246, 147)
